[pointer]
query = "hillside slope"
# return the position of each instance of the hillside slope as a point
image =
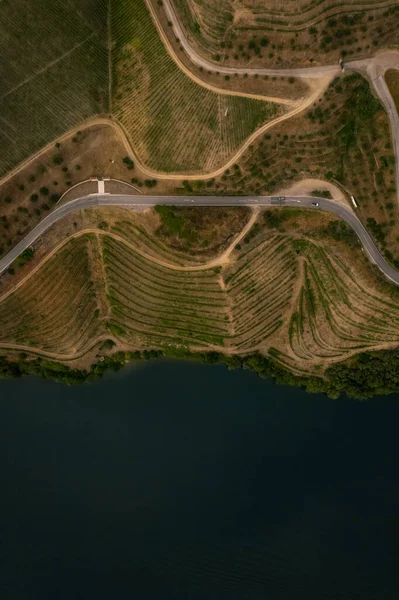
(53, 71)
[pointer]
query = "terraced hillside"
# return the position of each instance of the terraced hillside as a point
(335, 313)
(64, 72)
(295, 292)
(294, 32)
(53, 71)
(174, 123)
(207, 21)
(307, 299)
(155, 306)
(345, 138)
(259, 286)
(56, 309)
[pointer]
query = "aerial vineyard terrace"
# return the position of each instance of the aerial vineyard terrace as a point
(289, 288)
(120, 286)
(175, 124)
(292, 33)
(51, 82)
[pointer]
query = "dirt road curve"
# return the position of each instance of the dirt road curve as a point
(372, 68)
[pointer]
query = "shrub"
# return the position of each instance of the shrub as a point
(58, 159)
(150, 183)
(322, 193)
(128, 162)
(25, 257)
(273, 218)
(107, 345)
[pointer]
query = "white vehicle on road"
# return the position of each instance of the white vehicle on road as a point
(354, 201)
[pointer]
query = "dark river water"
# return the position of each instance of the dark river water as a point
(185, 481)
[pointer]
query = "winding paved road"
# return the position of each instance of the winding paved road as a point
(314, 72)
(340, 210)
(384, 95)
(201, 61)
(372, 68)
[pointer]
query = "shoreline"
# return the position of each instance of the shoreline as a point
(363, 376)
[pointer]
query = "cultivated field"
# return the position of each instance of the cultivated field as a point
(84, 58)
(296, 287)
(344, 138)
(335, 313)
(56, 309)
(154, 305)
(53, 72)
(174, 123)
(301, 289)
(208, 21)
(294, 32)
(259, 287)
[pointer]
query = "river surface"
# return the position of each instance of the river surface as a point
(175, 480)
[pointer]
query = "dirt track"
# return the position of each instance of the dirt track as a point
(124, 136)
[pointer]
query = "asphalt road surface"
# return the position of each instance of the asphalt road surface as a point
(331, 206)
(373, 68)
(199, 60)
(385, 97)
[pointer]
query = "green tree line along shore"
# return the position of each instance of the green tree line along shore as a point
(363, 376)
